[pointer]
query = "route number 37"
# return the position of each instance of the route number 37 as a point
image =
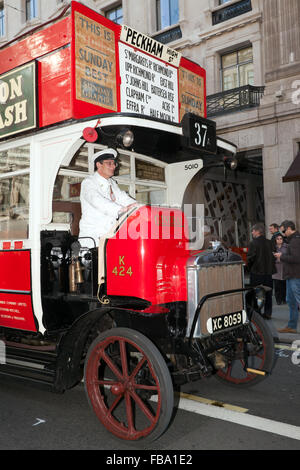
(201, 134)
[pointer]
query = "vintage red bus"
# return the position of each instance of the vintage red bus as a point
(145, 309)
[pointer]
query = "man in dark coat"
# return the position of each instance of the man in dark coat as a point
(291, 272)
(261, 264)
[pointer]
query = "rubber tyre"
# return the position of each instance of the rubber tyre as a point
(234, 373)
(122, 369)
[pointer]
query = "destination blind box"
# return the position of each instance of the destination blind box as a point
(200, 133)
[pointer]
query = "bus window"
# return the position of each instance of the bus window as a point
(124, 166)
(150, 195)
(14, 193)
(14, 159)
(66, 207)
(79, 161)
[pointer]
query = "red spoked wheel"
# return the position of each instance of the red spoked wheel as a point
(260, 356)
(128, 385)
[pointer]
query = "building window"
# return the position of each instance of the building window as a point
(31, 9)
(221, 2)
(115, 14)
(2, 20)
(237, 69)
(167, 13)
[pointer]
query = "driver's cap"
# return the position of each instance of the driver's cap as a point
(106, 154)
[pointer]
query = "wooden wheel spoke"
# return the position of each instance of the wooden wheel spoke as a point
(228, 371)
(111, 365)
(144, 408)
(114, 404)
(129, 413)
(146, 387)
(105, 382)
(138, 367)
(123, 355)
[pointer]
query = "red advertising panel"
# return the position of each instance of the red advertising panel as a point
(16, 311)
(15, 290)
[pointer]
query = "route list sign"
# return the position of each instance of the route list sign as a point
(148, 86)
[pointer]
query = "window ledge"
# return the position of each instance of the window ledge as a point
(28, 25)
(3, 40)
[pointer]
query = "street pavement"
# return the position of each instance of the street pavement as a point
(280, 318)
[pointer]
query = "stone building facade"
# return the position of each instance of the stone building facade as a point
(251, 52)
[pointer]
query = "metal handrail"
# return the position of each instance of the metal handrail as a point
(231, 11)
(236, 99)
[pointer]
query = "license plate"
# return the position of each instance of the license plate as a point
(228, 320)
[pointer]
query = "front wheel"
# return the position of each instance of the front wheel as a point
(128, 385)
(259, 347)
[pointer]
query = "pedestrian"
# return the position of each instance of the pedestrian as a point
(274, 231)
(281, 230)
(279, 282)
(208, 238)
(261, 264)
(102, 201)
(291, 272)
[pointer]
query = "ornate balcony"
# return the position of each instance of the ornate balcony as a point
(231, 11)
(169, 35)
(234, 100)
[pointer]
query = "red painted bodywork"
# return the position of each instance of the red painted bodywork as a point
(15, 290)
(140, 258)
(240, 251)
(37, 45)
(54, 85)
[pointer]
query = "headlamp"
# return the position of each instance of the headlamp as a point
(230, 163)
(125, 138)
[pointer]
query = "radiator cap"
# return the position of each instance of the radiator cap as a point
(218, 254)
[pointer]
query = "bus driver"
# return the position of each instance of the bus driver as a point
(102, 201)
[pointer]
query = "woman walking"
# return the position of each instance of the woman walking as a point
(279, 281)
